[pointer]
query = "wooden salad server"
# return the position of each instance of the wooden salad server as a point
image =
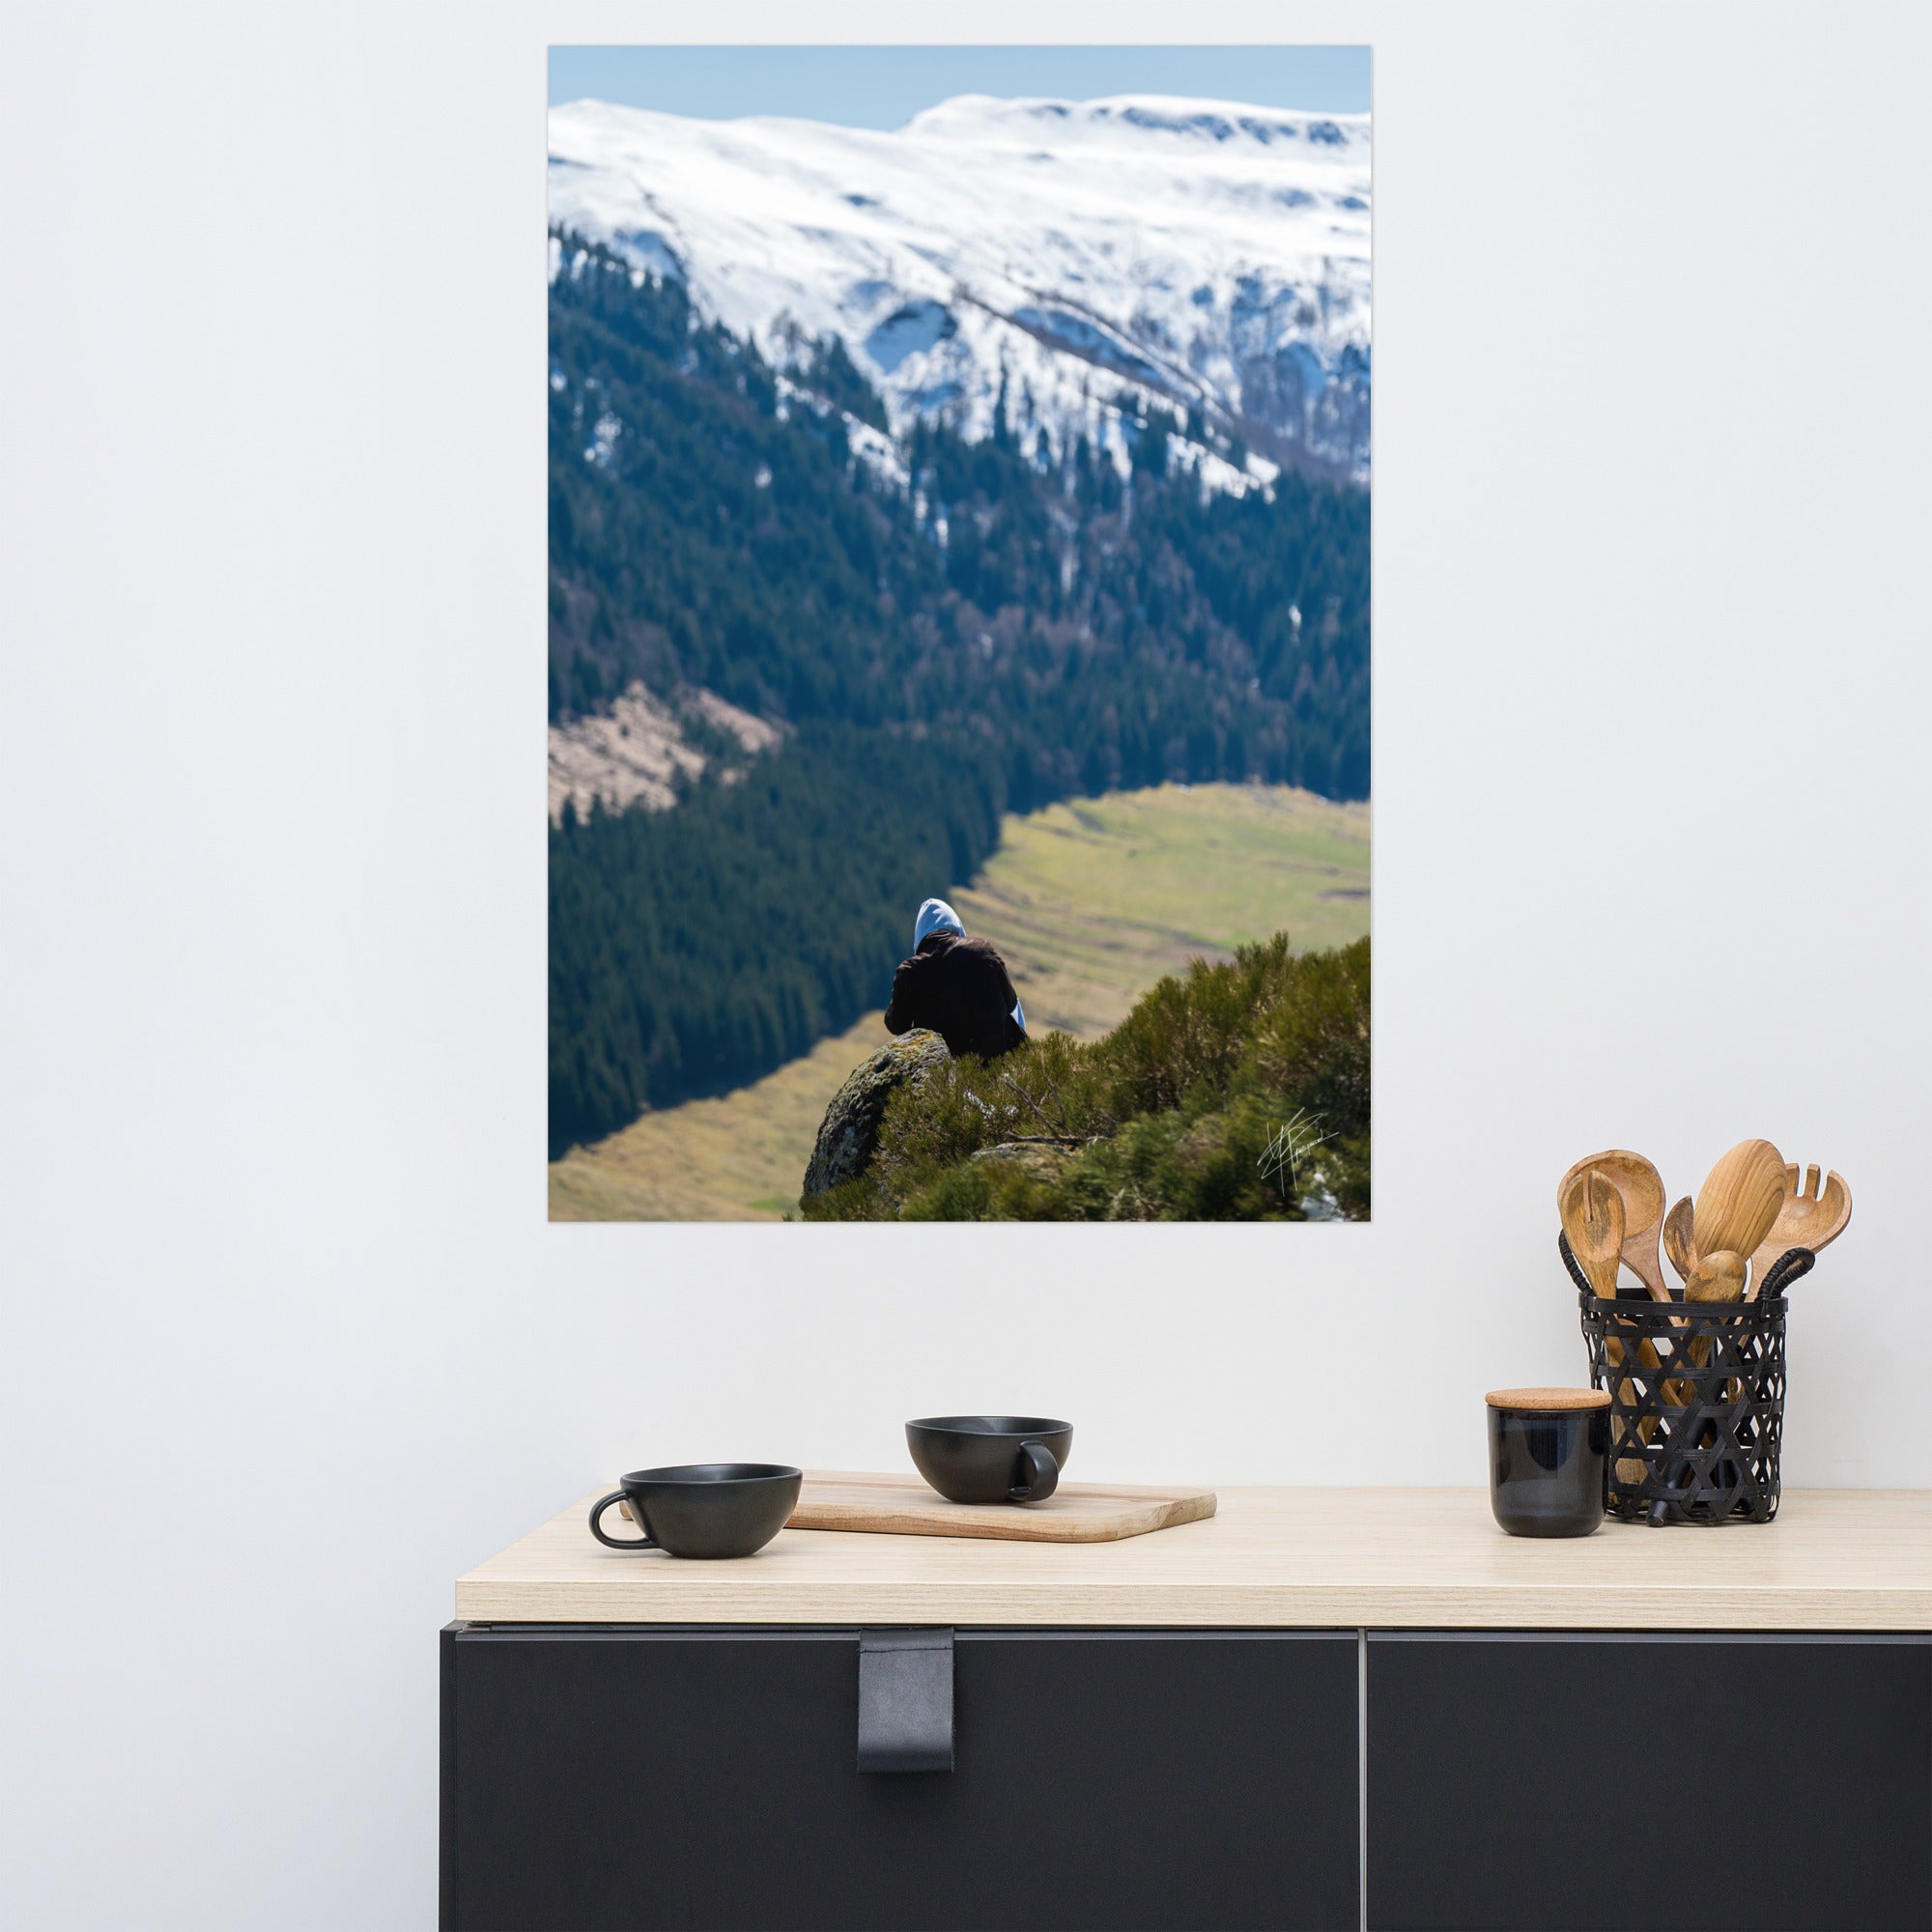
(1739, 1200)
(1810, 1217)
(1641, 1187)
(1592, 1211)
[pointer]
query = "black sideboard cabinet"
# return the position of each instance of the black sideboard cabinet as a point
(1587, 1782)
(598, 1778)
(646, 1778)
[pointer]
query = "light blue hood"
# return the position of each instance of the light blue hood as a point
(935, 916)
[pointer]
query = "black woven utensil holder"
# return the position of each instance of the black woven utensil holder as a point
(1696, 1398)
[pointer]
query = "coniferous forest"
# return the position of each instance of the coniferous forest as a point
(975, 629)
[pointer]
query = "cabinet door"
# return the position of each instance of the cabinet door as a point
(602, 1778)
(1568, 1782)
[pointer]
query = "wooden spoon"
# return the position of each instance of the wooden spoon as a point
(1592, 1218)
(1738, 1200)
(1642, 1190)
(1717, 1277)
(1808, 1217)
(1679, 1241)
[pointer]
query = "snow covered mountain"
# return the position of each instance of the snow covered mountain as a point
(1081, 259)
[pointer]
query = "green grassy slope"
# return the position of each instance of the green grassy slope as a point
(1092, 902)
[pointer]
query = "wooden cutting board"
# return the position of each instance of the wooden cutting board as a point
(1075, 1512)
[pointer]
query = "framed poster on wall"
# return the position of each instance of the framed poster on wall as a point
(958, 695)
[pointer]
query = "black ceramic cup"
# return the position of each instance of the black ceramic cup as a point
(1548, 1459)
(990, 1458)
(702, 1509)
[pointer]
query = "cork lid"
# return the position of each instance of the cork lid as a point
(1549, 1401)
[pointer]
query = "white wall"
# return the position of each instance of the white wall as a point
(288, 1343)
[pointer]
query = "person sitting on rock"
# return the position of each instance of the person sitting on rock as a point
(957, 986)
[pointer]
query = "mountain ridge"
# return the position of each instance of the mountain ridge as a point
(1055, 266)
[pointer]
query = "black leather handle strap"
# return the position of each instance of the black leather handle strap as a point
(1791, 1266)
(905, 1700)
(1570, 1261)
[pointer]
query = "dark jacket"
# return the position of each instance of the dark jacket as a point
(959, 988)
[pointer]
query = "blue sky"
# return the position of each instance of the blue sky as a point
(884, 87)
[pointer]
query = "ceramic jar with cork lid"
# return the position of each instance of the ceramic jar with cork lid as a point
(1548, 1454)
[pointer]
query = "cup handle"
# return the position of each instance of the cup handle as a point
(1042, 1475)
(597, 1510)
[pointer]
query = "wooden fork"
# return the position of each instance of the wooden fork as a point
(1810, 1217)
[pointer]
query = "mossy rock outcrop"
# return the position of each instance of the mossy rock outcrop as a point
(848, 1136)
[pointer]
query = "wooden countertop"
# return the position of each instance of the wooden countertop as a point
(1834, 1559)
